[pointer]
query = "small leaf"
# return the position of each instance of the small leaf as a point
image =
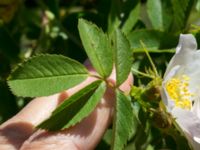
(123, 124)
(167, 15)
(45, 75)
(198, 5)
(181, 12)
(121, 10)
(77, 107)
(154, 9)
(113, 16)
(132, 19)
(97, 47)
(153, 39)
(53, 6)
(123, 57)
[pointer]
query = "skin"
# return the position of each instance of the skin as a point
(19, 132)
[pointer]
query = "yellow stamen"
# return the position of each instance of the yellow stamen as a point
(178, 91)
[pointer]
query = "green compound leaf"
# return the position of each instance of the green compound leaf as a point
(77, 107)
(123, 124)
(44, 75)
(123, 57)
(97, 47)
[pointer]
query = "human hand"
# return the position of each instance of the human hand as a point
(19, 132)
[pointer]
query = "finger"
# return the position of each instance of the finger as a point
(20, 127)
(16, 130)
(84, 135)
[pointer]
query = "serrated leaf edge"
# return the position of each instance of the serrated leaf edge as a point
(20, 65)
(106, 36)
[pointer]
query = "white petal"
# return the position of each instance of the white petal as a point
(190, 124)
(193, 143)
(187, 42)
(197, 139)
(186, 61)
(186, 48)
(196, 106)
(173, 72)
(192, 70)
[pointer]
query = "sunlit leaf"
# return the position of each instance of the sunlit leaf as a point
(198, 5)
(123, 56)
(154, 9)
(46, 74)
(113, 17)
(123, 124)
(132, 19)
(97, 47)
(77, 107)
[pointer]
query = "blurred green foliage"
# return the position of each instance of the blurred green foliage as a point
(30, 27)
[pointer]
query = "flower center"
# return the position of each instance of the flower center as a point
(178, 90)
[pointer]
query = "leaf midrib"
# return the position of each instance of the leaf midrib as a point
(46, 77)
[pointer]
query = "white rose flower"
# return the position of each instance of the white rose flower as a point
(181, 88)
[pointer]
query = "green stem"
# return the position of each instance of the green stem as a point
(149, 57)
(154, 51)
(142, 73)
